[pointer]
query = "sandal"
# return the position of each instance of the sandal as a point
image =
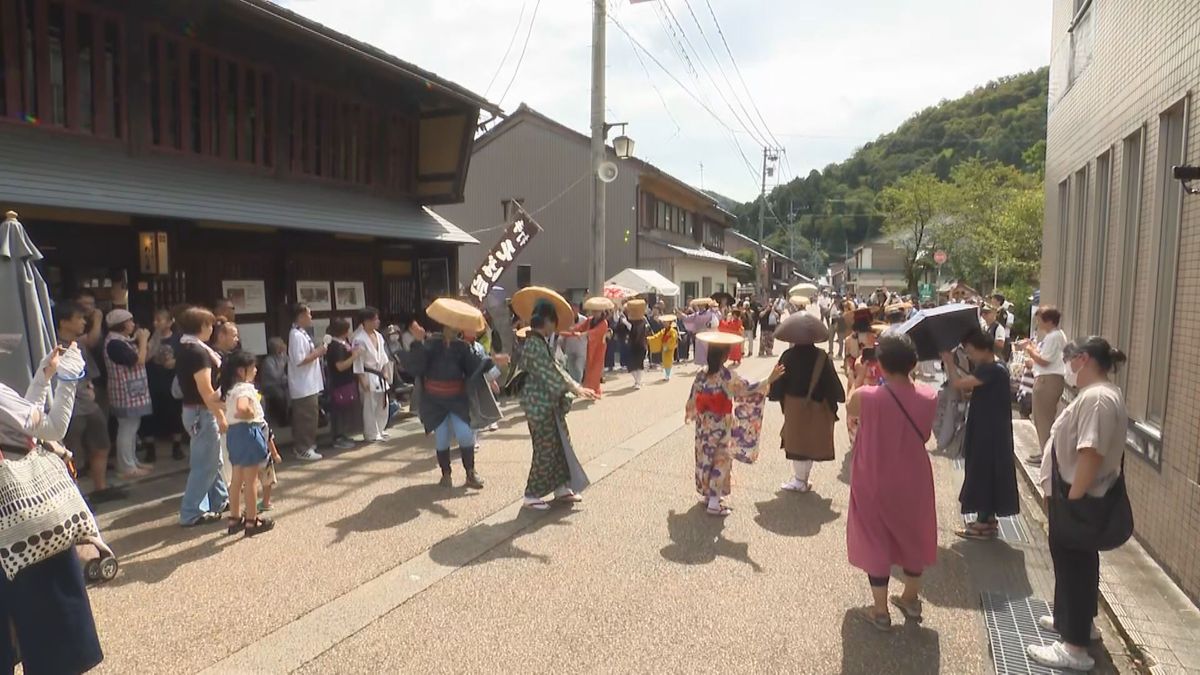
(203, 519)
(259, 526)
(911, 610)
(979, 532)
(235, 525)
(722, 512)
(569, 498)
(536, 505)
(881, 622)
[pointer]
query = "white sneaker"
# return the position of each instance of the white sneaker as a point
(1058, 656)
(1046, 623)
(308, 455)
(796, 485)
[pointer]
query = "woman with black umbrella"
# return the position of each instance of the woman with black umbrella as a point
(989, 487)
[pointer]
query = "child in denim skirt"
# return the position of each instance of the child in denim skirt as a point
(250, 443)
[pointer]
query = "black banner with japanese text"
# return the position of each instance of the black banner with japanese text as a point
(514, 240)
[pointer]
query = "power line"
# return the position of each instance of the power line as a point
(661, 99)
(724, 76)
(521, 58)
(511, 41)
(738, 71)
(671, 18)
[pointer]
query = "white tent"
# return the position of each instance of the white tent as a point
(646, 281)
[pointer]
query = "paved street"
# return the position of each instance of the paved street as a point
(374, 568)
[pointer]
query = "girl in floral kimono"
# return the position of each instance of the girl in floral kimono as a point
(728, 413)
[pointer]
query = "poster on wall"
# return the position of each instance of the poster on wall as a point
(253, 337)
(434, 277)
(315, 294)
(514, 240)
(349, 295)
(249, 296)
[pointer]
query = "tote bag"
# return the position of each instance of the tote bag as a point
(42, 513)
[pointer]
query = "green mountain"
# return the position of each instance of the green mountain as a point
(831, 211)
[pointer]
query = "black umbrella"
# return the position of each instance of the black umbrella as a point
(723, 298)
(940, 329)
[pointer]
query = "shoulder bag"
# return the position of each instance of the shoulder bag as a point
(42, 513)
(1089, 523)
(808, 424)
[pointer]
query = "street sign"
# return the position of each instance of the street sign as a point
(926, 291)
(940, 257)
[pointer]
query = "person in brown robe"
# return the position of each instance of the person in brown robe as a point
(808, 394)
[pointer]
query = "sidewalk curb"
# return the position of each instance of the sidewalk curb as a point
(1031, 475)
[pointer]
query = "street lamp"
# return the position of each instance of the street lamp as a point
(622, 145)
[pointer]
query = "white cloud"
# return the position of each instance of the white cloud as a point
(827, 76)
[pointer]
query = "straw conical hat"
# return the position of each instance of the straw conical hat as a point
(456, 314)
(714, 337)
(526, 299)
(799, 300)
(703, 302)
(636, 309)
(598, 304)
(667, 318)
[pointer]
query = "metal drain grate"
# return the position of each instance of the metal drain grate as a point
(1012, 625)
(1012, 528)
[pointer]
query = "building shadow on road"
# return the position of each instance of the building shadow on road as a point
(908, 648)
(795, 515)
(483, 543)
(697, 539)
(396, 508)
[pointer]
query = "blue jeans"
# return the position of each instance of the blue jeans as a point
(462, 431)
(206, 490)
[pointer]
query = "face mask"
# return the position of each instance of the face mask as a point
(1072, 377)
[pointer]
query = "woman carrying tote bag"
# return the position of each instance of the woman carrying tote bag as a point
(45, 617)
(1089, 508)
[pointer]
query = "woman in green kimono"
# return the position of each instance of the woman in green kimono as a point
(545, 400)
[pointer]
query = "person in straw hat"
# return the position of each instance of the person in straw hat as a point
(554, 467)
(703, 317)
(635, 314)
(665, 342)
(596, 328)
(808, 394)
(711, 405)
(444, 361)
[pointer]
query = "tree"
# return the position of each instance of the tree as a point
(983, 190)
(915, 213)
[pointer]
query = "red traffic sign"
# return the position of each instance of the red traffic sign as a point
(940, 257)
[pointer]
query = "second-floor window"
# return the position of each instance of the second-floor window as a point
(204, 103)
(714, 236)
(671, 218)
(333, 136)
(62, 66)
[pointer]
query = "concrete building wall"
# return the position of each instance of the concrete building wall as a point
(546, 169)
(1121, 249)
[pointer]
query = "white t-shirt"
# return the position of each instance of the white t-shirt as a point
(1051, 349)
(1001, 332)
(1096, 419)
(239, 391)
(303, 380)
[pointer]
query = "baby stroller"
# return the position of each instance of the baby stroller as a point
(99, 562)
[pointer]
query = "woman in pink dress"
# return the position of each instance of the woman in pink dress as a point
(892, 518)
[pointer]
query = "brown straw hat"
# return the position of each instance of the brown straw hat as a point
(703, 302)
(667, 318)
(598, 304)
(714, 337)
(524, 300)
(636, 309)
(456, 314)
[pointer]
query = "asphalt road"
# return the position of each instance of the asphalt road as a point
(374, 568)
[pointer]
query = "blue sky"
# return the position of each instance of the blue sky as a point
(827, 76)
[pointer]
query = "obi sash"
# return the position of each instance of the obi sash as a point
(444, 388)
(715, 403)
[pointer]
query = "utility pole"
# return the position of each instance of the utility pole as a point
(763, 272)
(598, 133)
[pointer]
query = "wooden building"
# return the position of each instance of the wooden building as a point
(193, 149)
